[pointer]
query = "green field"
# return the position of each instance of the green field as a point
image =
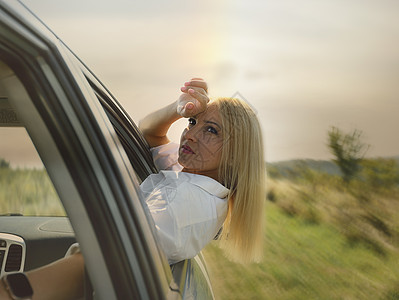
(322, 241)
(305, 261)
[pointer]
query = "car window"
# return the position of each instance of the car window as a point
(25, 187)
(129, 135)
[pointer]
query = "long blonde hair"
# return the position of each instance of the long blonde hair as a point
(242, 170)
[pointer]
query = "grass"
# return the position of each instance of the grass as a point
(305, 261)
(28, 192)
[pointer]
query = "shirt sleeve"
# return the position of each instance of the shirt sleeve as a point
(73, 249)
(185, 219)
(166, 157)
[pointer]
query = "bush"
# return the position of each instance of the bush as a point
(380, 174)
(271, 195)
(4, 164)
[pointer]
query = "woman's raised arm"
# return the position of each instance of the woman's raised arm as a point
(191, 102)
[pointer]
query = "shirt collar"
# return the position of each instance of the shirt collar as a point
(206, 183)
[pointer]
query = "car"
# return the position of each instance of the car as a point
(94, 156)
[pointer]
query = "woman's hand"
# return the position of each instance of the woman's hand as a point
(194, 98)
(193, 101)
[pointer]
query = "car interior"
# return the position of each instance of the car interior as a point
(45, 236)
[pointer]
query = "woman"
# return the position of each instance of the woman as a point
(212, 184)
(222, 149)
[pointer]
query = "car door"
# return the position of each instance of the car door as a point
(87, 164)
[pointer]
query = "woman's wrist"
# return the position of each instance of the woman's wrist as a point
(155, 126)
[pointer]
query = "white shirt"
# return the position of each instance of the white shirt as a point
(188, 209)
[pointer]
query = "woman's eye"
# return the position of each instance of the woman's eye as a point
(192, 121)
(211, 130)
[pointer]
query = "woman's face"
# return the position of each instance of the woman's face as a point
(201, 143)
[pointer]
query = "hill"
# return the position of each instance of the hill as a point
(288, 168)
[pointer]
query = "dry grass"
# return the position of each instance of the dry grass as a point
(361, 215)
(322, 241)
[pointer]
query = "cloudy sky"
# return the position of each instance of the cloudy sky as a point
(305, 65)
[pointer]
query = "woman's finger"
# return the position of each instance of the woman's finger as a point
(197, 90)
(197, 82)
(187, 110)
(198, 94)
(185, 89)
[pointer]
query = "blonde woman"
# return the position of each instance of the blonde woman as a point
(221, 152)
(212, 184)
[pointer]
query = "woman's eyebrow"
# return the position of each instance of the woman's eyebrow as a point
(211, 122)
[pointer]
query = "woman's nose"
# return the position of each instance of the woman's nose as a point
(190, 134)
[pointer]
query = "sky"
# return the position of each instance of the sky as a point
(304, 65)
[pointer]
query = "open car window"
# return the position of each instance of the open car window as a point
(128, 133)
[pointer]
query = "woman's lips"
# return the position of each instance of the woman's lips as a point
(187, 149)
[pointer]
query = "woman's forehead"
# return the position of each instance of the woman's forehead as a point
(211, 112)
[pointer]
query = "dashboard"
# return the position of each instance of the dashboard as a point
(30, 242)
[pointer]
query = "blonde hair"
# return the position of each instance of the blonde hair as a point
(242, 170)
